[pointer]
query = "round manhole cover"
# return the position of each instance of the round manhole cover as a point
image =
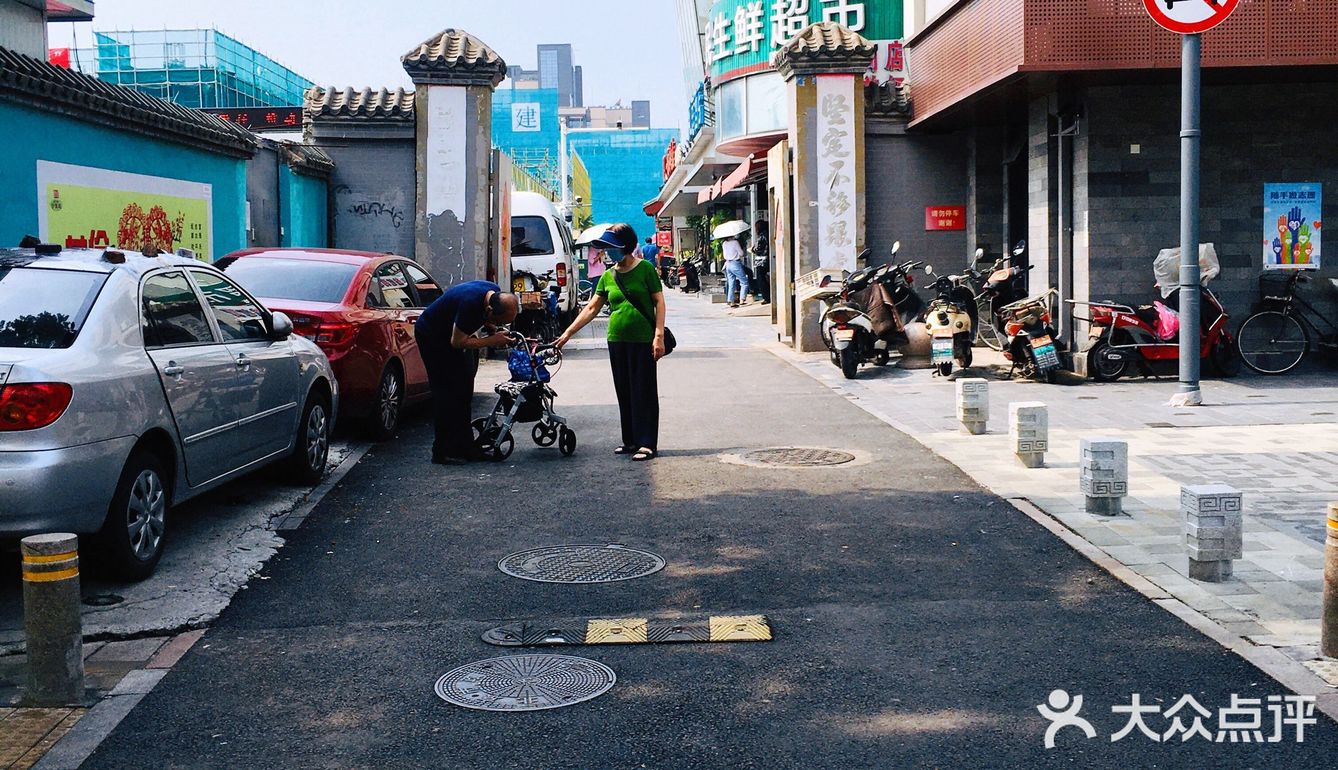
(525, 683)
(799, 457)
(581, 564)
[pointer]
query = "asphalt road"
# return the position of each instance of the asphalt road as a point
(919, 620)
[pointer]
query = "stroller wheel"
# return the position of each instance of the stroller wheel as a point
(544, 435)
(567, 441)
(479, 426)
(503, 449)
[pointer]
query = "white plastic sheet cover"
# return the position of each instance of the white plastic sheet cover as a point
(1166, 267)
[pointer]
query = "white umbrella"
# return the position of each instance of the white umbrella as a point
(730, 229)
(591, 234)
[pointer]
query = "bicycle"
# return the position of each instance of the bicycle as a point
(1278, 336)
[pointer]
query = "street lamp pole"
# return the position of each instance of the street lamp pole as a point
(1190, 147)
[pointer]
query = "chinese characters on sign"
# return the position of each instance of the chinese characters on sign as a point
(1273, 719)
(525, 117)
(945, 218)
(262, 118)
(84, 207)
(889, 64)
(837, 193)
(1292, 223)
(746, 30)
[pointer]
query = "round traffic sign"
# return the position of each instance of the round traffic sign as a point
(1190, 17)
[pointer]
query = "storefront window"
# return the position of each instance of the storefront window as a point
(766, 103)
(732, 108)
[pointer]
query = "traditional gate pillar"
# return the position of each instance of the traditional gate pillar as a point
(454, 75)
(824, 69)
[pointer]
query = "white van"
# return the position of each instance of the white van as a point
(541, 243)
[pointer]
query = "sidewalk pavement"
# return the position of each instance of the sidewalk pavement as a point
(117, 675)
(1274, 439)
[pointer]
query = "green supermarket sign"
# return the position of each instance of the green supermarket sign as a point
(742, 35)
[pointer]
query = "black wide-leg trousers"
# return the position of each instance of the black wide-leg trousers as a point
(450, 374)
(634, 380)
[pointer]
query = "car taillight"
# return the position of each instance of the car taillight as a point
(29, 406)
(334, 335)
(562, 274)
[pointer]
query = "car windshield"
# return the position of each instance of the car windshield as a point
(530, 237)
(296, 279)
(44, 308)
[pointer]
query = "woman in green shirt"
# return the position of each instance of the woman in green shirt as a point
(636, 338)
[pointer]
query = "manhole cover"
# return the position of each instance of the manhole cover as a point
(799, 457)
(581, 564)
(525, 683)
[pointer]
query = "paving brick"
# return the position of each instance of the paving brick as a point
(134, 650)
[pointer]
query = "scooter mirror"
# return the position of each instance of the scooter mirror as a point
(896, 247)
(1019, 248)
(929, 269)
(979, 253)
(865, 254)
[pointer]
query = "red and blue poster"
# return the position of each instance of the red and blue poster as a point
(1293, 218)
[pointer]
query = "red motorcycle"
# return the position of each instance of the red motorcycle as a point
(1122, 337)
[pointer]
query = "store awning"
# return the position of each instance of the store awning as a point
(750, 171)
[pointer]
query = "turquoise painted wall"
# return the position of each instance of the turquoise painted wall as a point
(33, 135)
(302, 211)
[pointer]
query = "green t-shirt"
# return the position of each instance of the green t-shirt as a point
(626, 323)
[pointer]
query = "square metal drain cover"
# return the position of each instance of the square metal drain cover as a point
(1325, 668)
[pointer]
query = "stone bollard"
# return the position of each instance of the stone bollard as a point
(973, 404)
(1104, 475)
(1029, 429)
(1214, 530)
(51, 623)
(1328, 645)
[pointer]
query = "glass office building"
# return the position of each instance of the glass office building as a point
(199, 68)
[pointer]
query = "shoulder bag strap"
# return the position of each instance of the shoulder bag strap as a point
(618, 279)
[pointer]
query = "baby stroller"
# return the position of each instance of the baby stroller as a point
(526, 397)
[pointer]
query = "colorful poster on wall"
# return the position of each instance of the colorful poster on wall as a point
(83, 207)
(1293, 218)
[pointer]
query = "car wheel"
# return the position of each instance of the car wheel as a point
(385, 416)
(312, 448)
(131, 540)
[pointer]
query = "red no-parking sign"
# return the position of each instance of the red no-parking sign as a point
(1190, 17)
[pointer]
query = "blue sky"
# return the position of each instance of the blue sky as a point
(629, 49)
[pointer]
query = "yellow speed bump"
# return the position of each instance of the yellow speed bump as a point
(717, 628)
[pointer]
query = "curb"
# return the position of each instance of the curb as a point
(1287, 672)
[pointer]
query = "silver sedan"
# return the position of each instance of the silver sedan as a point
(129, 384)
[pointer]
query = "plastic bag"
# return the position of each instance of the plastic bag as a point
(1168, 322)
(1166, 267)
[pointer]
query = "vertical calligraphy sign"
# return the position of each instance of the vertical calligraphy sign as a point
(838, 221)
(445, 169)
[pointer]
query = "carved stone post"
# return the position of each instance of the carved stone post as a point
(454, 75)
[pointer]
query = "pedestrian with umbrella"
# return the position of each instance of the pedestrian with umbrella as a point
(736, 275)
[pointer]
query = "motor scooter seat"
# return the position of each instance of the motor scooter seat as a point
(1147, 314)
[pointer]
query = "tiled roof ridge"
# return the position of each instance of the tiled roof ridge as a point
(45, 86)
(457, 56)
(825, 46)
(359, 103)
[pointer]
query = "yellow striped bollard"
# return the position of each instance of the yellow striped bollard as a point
(51, 622)
(1329, 623)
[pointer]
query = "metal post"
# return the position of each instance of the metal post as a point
(1190, 140)
(1329, 624)
(51, 622)
(563, 162)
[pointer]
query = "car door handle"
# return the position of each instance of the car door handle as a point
(243, 362)
(173, 369)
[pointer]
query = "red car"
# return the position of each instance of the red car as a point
(360, 308)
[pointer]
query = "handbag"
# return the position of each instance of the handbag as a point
(669, 342)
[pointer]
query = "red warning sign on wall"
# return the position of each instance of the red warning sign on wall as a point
(945, 218)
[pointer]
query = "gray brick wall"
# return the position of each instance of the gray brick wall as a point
(262, 193)
(1133, 199)
(905, 174)
(374, 194)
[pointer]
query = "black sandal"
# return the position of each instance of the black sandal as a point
(624, 450)
(643, 455)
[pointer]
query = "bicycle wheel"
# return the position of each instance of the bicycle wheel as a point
(584, 291)
(1272, 343)
(987, 332)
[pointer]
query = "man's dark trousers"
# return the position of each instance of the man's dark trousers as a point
(450, 374)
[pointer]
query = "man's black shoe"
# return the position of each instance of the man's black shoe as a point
(449, 460)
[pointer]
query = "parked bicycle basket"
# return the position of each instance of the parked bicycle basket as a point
(809, 285)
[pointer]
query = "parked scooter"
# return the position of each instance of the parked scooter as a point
(867, 318)
(951, 321)
(689, 274)
(1001, 284)
(1031, 338)
(1148, 337)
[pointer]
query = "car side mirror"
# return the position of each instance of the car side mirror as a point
(280, 327)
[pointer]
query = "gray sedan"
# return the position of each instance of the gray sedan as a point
(129, 384)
